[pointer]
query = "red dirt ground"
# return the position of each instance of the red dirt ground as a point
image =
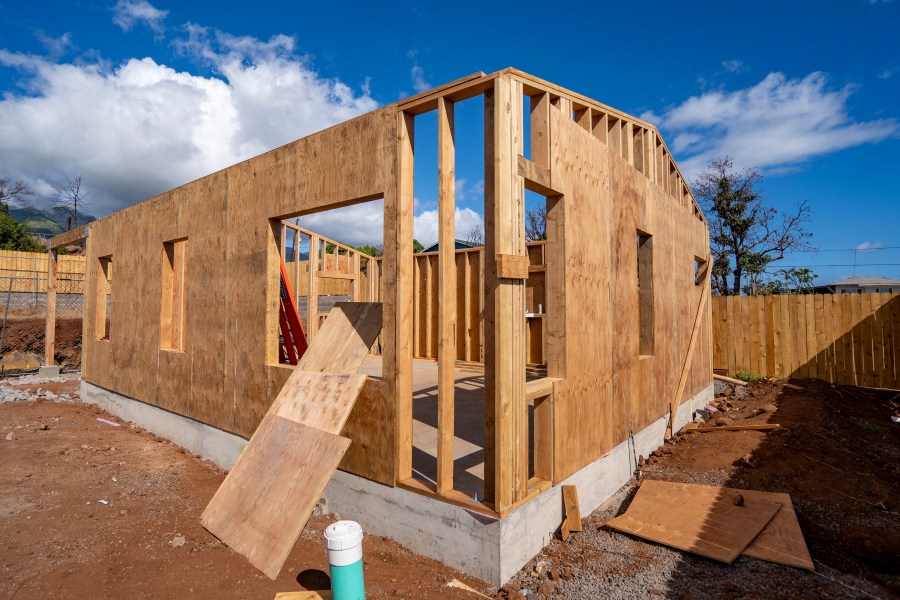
(56, 539)
(26, 336)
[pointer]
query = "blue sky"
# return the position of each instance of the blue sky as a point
(140, 97)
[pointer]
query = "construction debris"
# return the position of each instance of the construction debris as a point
(716, 522)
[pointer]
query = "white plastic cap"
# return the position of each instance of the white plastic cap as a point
(343, 535)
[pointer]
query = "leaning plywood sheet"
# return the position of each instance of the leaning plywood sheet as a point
(320, 400)
(344, 340)
(701, 519)
(267, 498)
(781, 541)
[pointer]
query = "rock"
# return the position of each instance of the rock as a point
(45, 427)
(541, 566)
(10, 436)
(514, 595)
(746, 461)
(656, 592)
(739, 500)
(554, 574)
(546, 589)
(178, 541)
(724, 421)
(567, 573)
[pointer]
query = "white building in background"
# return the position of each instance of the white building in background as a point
(860, 284)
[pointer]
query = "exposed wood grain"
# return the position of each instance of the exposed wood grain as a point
(845, 338)
(344, 340)
(267, 498)
(320, 400)
(447, 294)
(700, 519)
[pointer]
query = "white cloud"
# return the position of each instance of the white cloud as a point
(774, 124)
(465, 191)
(138, 128)
(418, 79)
(128, 13)
(886, 73)
(363, 224)
(870, 246)
(357, 225)
(55, 47)
(425, 226)
(733, 66)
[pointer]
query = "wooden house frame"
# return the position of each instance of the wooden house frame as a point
(621, 344)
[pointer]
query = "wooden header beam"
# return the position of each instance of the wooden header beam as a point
(73, 236)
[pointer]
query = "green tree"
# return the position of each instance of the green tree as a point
(370, 250)
(746, 236)
(417, 246)
(14, 237)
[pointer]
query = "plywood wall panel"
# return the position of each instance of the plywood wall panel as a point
(231, 291)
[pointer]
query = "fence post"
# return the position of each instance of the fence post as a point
(50, 335)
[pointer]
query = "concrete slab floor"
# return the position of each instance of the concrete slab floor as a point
(468, 444)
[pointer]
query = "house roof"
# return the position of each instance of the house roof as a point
(866, 281)
(463, 243)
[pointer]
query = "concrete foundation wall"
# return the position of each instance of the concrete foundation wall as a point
(489, 549)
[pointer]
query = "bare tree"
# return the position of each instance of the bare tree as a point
(70, 198)
(746, 236)
(476, 236)
(14, 193)
(536, 224)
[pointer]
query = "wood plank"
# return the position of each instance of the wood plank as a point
(757, 427)
(447, 294)
(809, 312)
(571, 511)
(819, 328)
(73, 236)
(876, 301)
(304, 595)
(837, 313)
(512, 266)
(320, 400)
(344, 340)
(50, 329)
(782, 540)
(538, 179)
(701, 519)
(266, 500)
(312, 297)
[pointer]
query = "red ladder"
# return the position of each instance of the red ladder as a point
(293, 338)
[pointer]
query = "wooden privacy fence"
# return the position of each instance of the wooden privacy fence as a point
(27, 272)
(851, 339)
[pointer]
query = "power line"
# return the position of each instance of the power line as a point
(845, 250)
(841, 265)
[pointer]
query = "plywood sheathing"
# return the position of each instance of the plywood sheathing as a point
(217, 379)
(713, 522)
(270, 493)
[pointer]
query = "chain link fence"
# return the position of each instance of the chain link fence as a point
(23, 304)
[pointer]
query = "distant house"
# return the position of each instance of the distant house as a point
(862, 284)
(460, 245)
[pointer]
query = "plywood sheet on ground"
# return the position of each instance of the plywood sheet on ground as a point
(343, 342)
(696, 518)
(782, 540)
(267, 498)
(320, 400)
